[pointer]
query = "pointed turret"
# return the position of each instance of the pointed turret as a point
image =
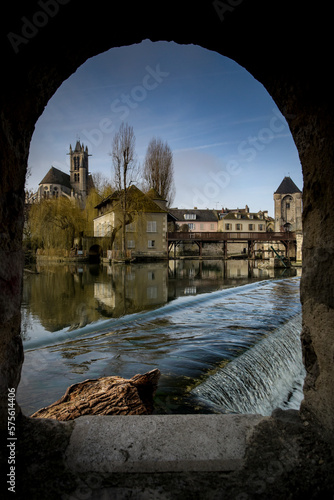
(288, 206)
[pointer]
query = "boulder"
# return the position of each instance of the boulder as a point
(105, 396)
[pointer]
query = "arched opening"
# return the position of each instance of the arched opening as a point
(249, 137)
(304, 96)
(95, 253)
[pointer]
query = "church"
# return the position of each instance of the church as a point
(77, 184)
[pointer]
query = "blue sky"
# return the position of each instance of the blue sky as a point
(231, 146)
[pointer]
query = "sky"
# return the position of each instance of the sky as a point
(231, 145)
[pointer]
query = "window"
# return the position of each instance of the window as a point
(238, 227)
(191, 225)
(151, 243)
(76, 163)
(151, 226)
(261, 227)
(130, 244)
(228, 227)
(288, 205)
(130, 228)
(190, 216)
(212, 226)
(201, 226)
(251, 227)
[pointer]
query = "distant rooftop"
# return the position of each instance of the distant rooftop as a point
(142, 201)
(198, 214)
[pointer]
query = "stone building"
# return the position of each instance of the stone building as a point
(242, 220)
(146, 235)
(74, 185)
(197, 220)
(288, 206)
(288, 212)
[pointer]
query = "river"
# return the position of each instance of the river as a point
(190, 319)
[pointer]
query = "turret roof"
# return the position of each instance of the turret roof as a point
(77, 146)
(287, 186)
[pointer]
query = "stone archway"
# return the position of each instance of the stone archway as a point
(95, 253)
(272, 41)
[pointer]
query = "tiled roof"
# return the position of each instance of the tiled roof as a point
(287, 186)
(141, 201)
(242, 216)
(154, 195)
(55, 176)
(201, 215)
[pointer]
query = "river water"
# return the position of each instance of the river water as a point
(196, 321)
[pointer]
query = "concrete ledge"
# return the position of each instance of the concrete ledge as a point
(159, 443)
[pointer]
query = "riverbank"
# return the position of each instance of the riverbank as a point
(42, 259)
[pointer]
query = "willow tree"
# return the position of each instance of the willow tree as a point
(126, 172)
(159, 169)
(54, 223)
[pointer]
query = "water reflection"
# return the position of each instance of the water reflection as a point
(69, 297)
(186, 338)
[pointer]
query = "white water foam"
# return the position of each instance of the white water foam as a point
(269, 375)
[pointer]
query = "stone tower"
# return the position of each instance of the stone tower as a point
(288, 207)
(79, 170)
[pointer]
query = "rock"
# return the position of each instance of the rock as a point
(105, 396)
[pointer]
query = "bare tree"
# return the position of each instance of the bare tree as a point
(126, 172)
(102, 185)
(159, 169)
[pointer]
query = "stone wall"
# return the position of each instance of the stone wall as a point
(42, 45)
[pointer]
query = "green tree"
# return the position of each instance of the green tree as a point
(54, 223)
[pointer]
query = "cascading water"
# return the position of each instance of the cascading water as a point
(267, 376)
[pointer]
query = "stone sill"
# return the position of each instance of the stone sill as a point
(159, 443)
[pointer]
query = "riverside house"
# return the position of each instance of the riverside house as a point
(197, 220)
(146, 234)
(241, 219)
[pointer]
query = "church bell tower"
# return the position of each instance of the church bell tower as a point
(79, 170)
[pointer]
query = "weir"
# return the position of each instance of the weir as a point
(268, 376)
